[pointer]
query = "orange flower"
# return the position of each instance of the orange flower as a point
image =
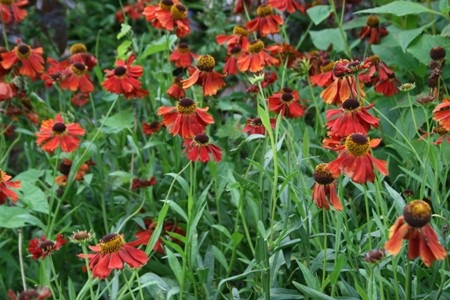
(255, 126)
(54, 72)
(324, 190)
(266, 22)
(150, 128)
(150, 12)
(185, 119)
(350, 118)
(54, 133)
(199, 148)
(182, 56)
(441, 114)
(41, 247)
(111, 253)
(176, 17)
(31, 61)
(441, 132)
(255, 59)
(64, 167)
(133, 11)
(288, 5)
(14, 6)
(204, 75)
(176, 91)
(5, 186)
(372, 30)
(79, 53)
(287, 103)
(80, 99)
(124, 79)
(76, 77)
(325, 77)
(285, 52)
(356, 161)
(414, 226)
(231, 61)
(239, 37)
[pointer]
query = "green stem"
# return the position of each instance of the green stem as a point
(22, 272)
(408, 281)
(324, 267)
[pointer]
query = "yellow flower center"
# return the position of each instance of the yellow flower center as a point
(6, 2)
(240, 31)
(206, 63)
(78, 48)
(440, 130)
(178, 12)
(186, 106)
(417, 213)
(328, 67)
(23, 51)
(111, 243)
(256, 46)
(373, 21)
(357, 144)
(374, 59)
(1, 175)
(166, 4)
(322, 175)
(79, 68)
(264, 10)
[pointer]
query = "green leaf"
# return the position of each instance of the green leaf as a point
(398, 8)
(315, 294)
(310, 279)
(124, 30)
(421, 47)
(164, 43)
(34, 197)
(15, 217)
(405, 37)
(174, 265)
(118, 122)
(322, 39)
(30, 175)
(122, 49)
(318, 13)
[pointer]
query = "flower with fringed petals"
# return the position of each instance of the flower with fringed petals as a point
(176, 18)
(182, 56)
(324, 190)
(372, 30)
(255, 58)
(65, 166)
(11, 10)
(79, 53)
(185, 119)
(28, 61)
(443, 134)
(138, 183)
(286, 103)
(230, 67)
(351, 117)
(152, 127)
(441, 114)
(204, 75)
(76, 77)
(266, 21)
(54, 133)
(5, 188)
(40, 293)
(326, 75)
(288, 5)
(239, 37)
(255, 126)
(54, 71)
(176, 91)
(124, 79)
(414, 226)
(112, 253)
(356, 161)
(41, 247)
(380, 76)
(200, 148)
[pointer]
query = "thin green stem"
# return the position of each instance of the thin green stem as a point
(408, 281)
(324, 247)
(19, 246)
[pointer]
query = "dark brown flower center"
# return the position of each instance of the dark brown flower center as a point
(373, 21)
(239, 30)
(256, 46)
(23, 51)
(6, 2)
(437, 53)
(47, 246)
(322, 175)
(236, 50)
(350, 104)
(78, 48)
(166, 4)
(186, 106)
(357, 144)
(59, 128)
(257, 122)
(178, 12)
(440, 130)
(264, 10)
(111, 243)
(79, 68)
(287, 97)
(81, 236)
(206, 63)
(201, 139)
(64, 166)
(417, 213)
(120, 71)
(287, 90)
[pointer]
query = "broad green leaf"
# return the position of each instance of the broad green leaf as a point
(314, 293)
(164, 43)
(318, 13)
(33, 197)
(124, 30)
(421, 47)
(174, 265)
(119, 122)
(322, 39)
(30, 175)
(15, 217)
(405, 37)
(122, 49)
(398, 8)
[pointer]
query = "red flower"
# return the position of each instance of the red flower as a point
(266, 22)
(5, 186)
(239, 7)
(372, 30)
(269, 78)
(414, 226)
(287, 5)
(7, 90)
(324, 190)
(441, 113)
(350, 118)
(31, 294)
(79, 53)
(150, 128)
(182, 56)
(54, 72)
(285, 52)
(143, 237)
(199, 148)
(124, 79)
(176, 91)
(14, 6)
(40, 248)
(239, 37)
(54, 133)
(65, 166)
(204, 75)
(76, 77)
(80, 99)
(133, 11)
(441, 132)
(231, 61)
(287, 103)
(255, 126)
(325, 77)
(31, 61)
(174, 18)
(255, 59)
(185, 119)
(381, 76)
(111, 254)
(356, 161)
(142, 183)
